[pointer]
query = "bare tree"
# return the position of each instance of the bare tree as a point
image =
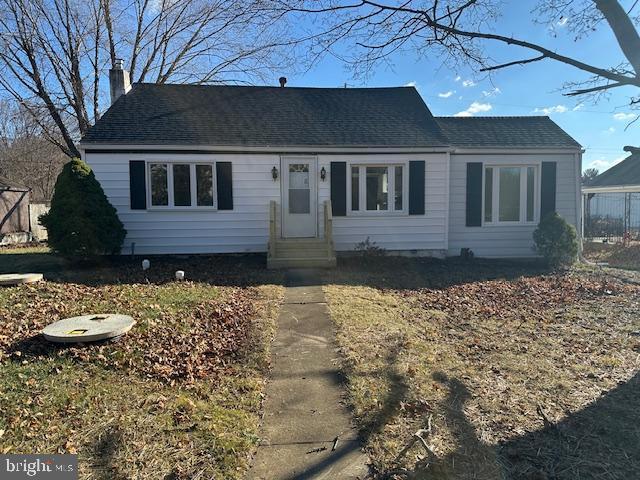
(457, 30)
(26, 155)
(54, 53)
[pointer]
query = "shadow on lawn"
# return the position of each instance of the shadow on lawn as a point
(398, 273)
(240, 270)
(250, 270)
(600, 441)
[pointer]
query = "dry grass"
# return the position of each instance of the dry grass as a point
(488, 359)
(616, 255)
(177, 397)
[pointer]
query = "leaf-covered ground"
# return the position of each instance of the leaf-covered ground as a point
(522, 373)
(179, 396)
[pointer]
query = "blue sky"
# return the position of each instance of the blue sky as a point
(522, 90)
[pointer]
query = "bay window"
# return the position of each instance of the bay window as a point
(377, 188)
(181, 185)
(510, 194)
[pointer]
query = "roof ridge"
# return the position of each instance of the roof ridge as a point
(275, 87)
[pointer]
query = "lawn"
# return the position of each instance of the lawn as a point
(616, 255)
(178, 397)
(521, 373)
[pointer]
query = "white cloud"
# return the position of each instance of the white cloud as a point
(492, 93)
(468, 83)
(475, 107)
(446, 94)
(603, 163)
(562, 22)
(550, 110)
(579, 106)
(457, 79)
(624, 117)
(610, 130)
(411, 84)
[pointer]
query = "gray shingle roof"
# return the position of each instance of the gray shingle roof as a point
(267, 116)
(525, 132)
(627, 172)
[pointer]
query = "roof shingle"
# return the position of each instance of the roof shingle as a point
(627, 172)
(153, 114)
(505, 132)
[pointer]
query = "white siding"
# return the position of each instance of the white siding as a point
(505, 241)
(421, 233)
(243, 229)
(246, 227)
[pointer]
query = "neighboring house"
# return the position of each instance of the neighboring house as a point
(622, 177)
(215, 169)
(14, 212)
(612, 199)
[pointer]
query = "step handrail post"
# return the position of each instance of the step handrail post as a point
(272, 228)
(328, 227)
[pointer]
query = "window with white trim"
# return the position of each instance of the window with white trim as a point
(510, 194)
(181, 185)
(378, 188)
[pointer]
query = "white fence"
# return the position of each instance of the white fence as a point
(37, 230)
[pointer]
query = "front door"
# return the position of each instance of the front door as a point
(299, 197)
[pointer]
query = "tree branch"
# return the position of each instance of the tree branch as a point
(510, 64)
(623, 29)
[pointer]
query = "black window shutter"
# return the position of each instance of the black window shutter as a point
(548, 188)
(474, 194)
(339, 188)
(224, 185)
(137, 186)
(416, 187)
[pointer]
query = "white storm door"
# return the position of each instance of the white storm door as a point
(299, 197)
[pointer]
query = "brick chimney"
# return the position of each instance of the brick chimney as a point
(119, 82)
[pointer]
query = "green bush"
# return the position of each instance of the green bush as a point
(556, 240)
(81, 221)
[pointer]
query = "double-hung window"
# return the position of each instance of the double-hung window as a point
(181, 185)
(510, 194)
(378, 188)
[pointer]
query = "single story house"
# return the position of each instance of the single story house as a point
(302, 173)
(622, 177)
(611, 201)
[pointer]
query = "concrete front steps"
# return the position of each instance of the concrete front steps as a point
(301, 253)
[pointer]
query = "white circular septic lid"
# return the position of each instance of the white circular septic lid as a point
(88, 328)
(9, 279)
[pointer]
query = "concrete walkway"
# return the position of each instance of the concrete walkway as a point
(304, 413)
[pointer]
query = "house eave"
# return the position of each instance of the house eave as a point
(278, 149)
(612, 189)
(515, 150)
